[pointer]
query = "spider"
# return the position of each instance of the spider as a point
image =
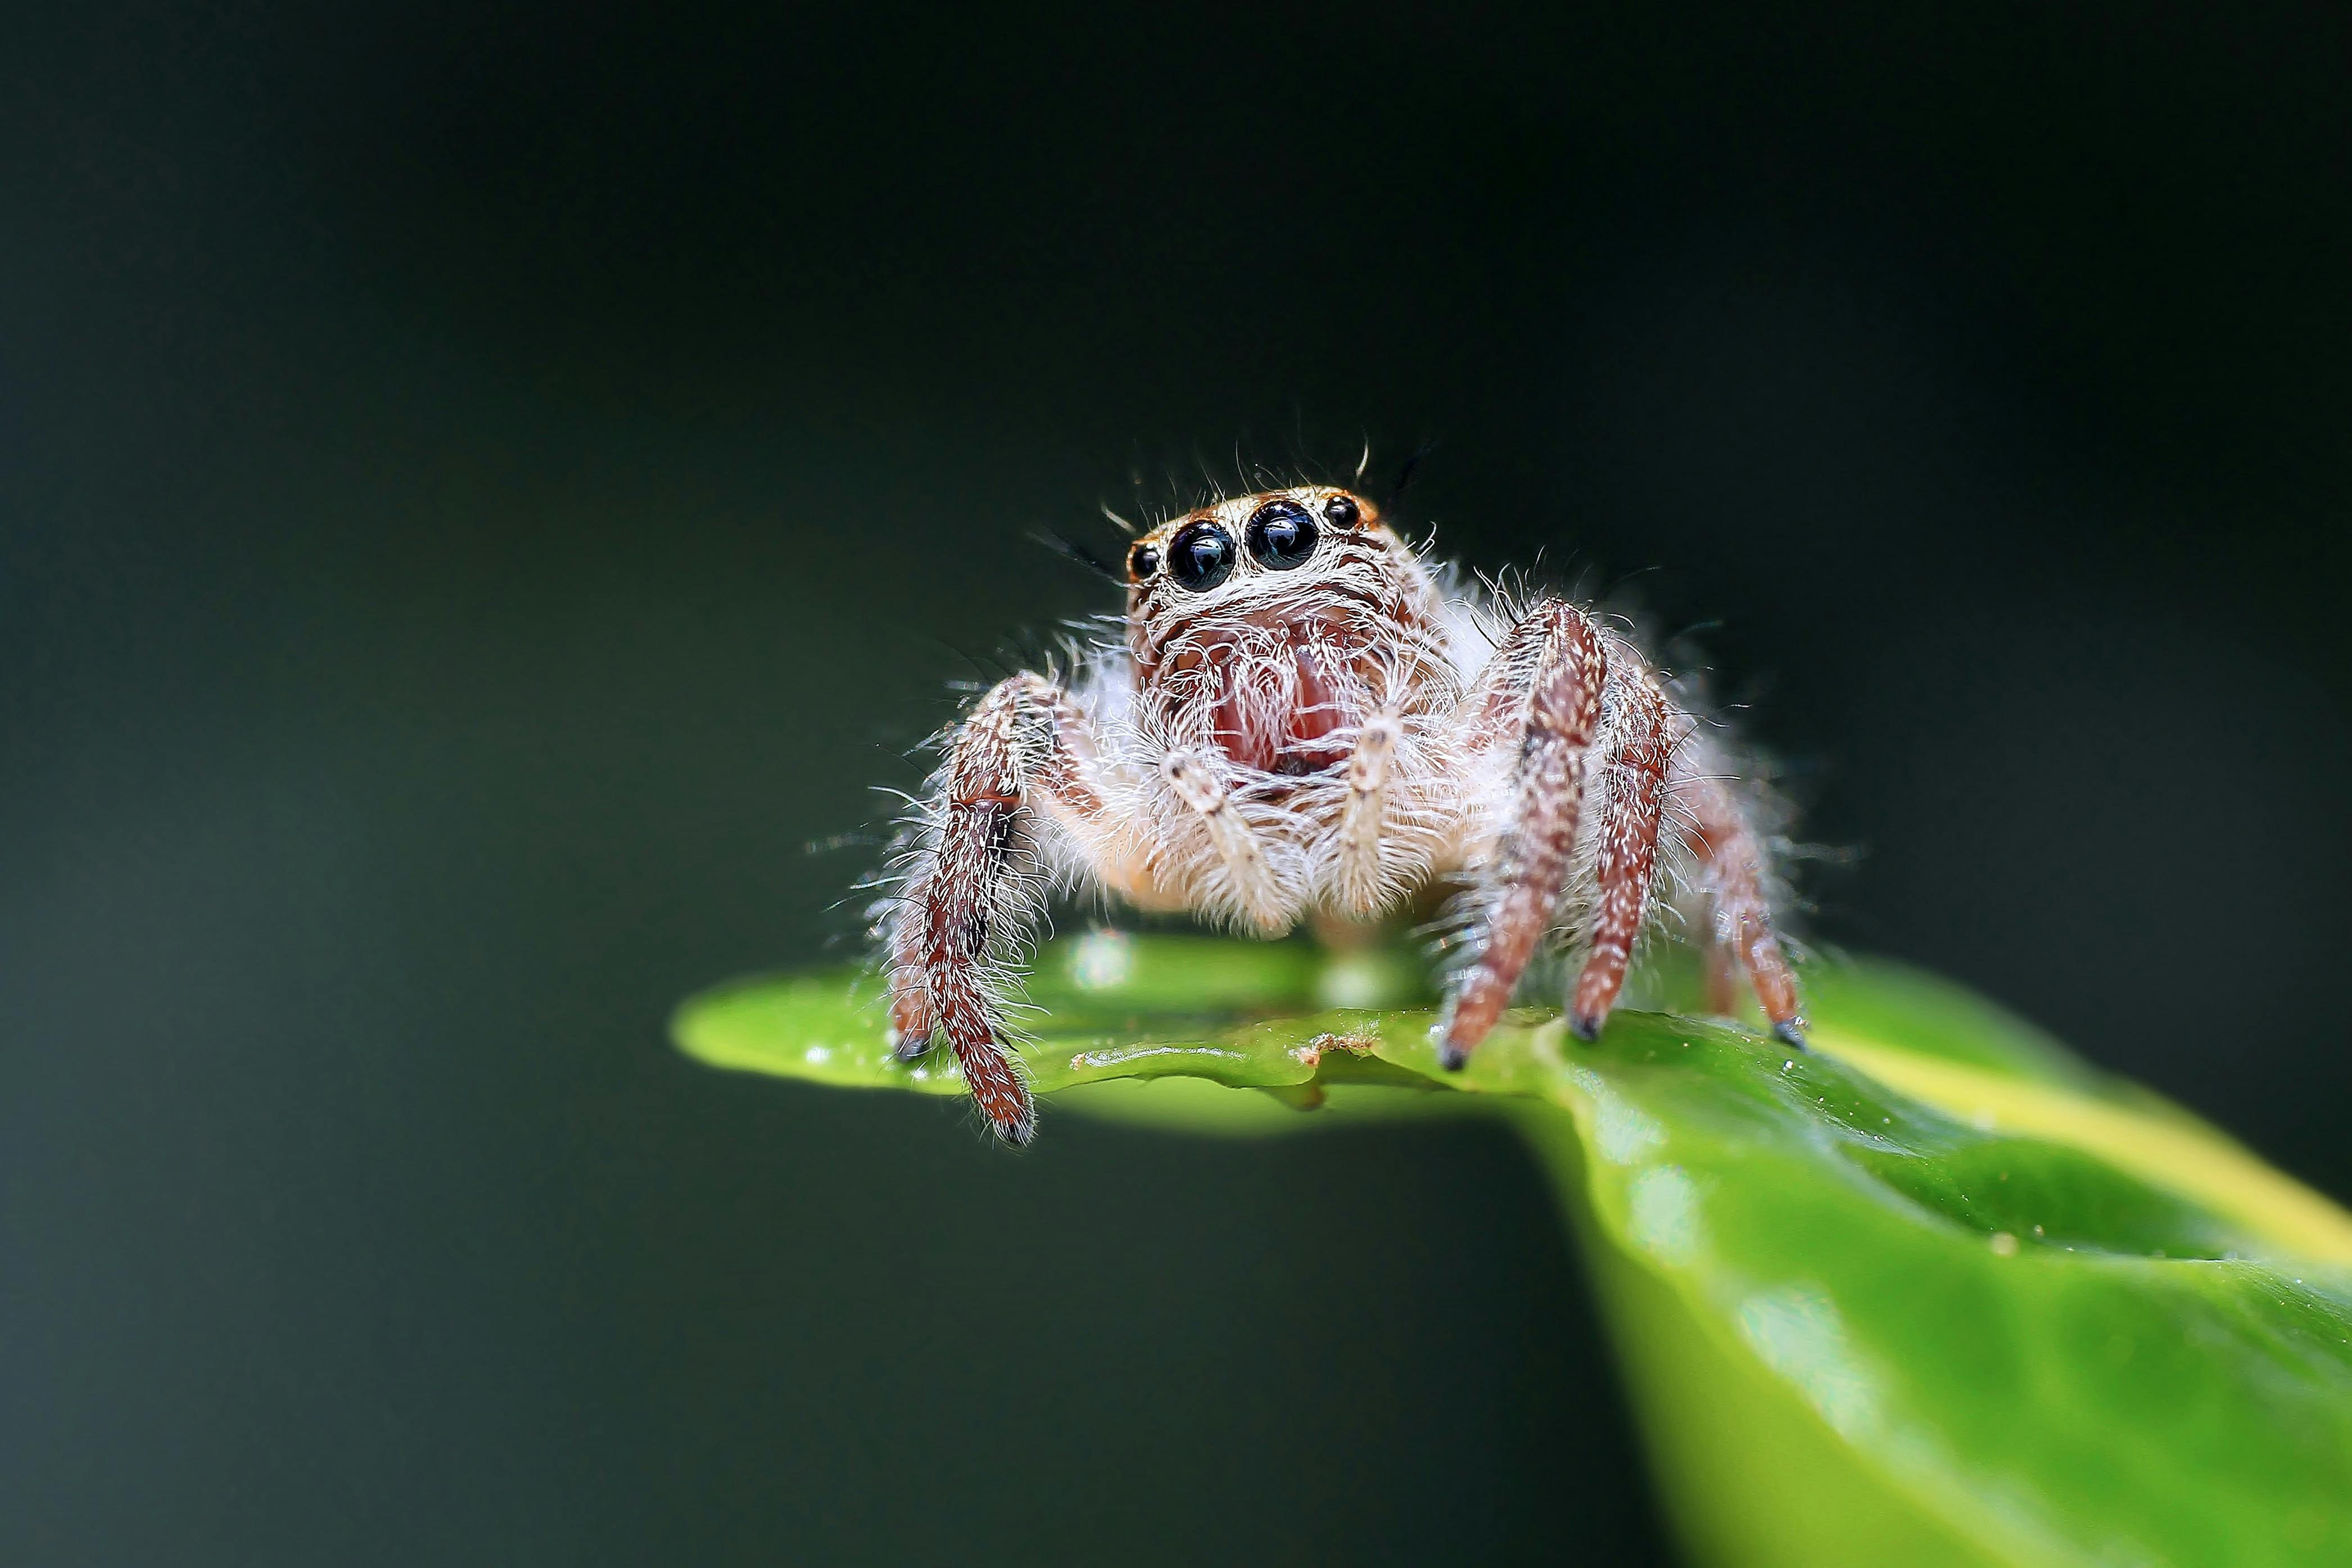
(1306, 720)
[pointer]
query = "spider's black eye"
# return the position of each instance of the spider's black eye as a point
(1341, 512)
(1142, 561)
(1200, 556)
(1282, 536)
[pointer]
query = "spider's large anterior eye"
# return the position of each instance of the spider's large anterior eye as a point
(1200, 556)
(1281, 534)
(1341, 512)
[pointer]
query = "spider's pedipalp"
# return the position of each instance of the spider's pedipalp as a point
(1256, 895)
(1362, 886)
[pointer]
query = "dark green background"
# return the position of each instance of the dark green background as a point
(484, 486)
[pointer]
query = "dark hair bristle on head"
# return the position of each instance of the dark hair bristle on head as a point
(1079, 553)
(1405, 470)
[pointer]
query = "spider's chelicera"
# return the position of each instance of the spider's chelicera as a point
(1305, 719)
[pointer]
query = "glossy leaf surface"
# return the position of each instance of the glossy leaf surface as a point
(1937, 1292)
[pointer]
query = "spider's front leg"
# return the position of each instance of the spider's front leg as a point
(1545, 693)
(1633, 778)
(1024, 762)
(1558, 659)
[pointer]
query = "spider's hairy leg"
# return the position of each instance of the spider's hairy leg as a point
(1369, 767)
(1559, 655)
(1257, 894)
(1633, 778)
(1022, 760)
(1741, 919)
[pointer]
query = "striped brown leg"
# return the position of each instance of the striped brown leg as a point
(971, 889)
(1632, 781)
(1557, 654)
(1741, 923)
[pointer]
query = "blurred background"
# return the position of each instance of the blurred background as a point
(486, 487)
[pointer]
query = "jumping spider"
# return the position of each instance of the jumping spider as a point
(1305, 719)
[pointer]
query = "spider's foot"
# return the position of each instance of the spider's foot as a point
(1453, 1050)
(909, 1047)
(1790, 1032)
(1586, 1027)
(995, 1083)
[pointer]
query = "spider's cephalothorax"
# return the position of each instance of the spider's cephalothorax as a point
(1305, 719)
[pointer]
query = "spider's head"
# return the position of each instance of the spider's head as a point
(1281, 560)
(1265, 623)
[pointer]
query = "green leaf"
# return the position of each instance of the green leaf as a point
(1937, 1292)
